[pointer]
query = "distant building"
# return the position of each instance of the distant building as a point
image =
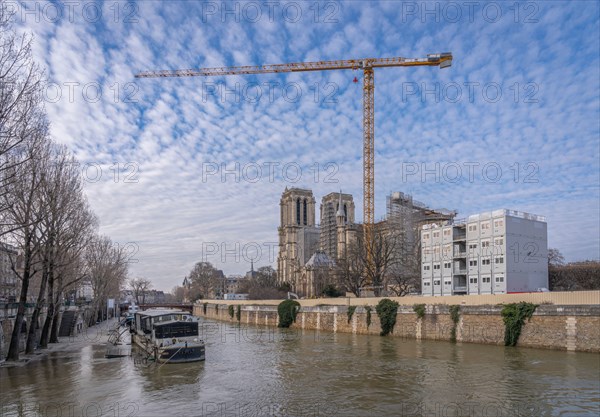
(84, 291)
(236, 297)
(316, 275)
(252, 273)
(154, 297)
(9, 283)
(233, 283)
(148, 297)
(499, 252)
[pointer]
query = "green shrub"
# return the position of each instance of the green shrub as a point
(351, 310)
(230, 309)
(368, 310)
(204, 307)
(387, 310)
(420, 310)
(287, 311)
(514, 316)
(238, 313)
(455, 316)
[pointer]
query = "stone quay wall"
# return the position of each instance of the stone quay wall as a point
(558, 327)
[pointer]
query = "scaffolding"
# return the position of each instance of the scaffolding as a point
(329, 209)
(329, 229)
(407, 216)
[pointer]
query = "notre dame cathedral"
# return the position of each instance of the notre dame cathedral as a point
(308, 250)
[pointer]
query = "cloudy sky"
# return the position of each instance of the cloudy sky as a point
(189, 169)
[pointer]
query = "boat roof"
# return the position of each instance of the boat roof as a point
(178, 322)
(155, 312)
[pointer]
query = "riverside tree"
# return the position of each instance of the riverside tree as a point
(355, 270)
(23, 124)
(140, 286)
(263, 285)
(107, 265)
(204, 280)
(68, 226)
(43, 209)
(22, 212)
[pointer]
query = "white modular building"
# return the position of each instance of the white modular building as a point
(498, 252)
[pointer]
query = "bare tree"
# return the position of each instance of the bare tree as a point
(69, 225)
(555, 258)
(108, 266)
(140, 286)
(349, 270)
(204, 280)
(575, 276)
(23, 209)
(177, 294)
(384, 255)
(23, 121)
(402, 278)
(263, 286)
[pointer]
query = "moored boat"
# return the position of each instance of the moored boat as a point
(170, 336)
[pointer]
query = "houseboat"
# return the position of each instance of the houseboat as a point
(169, 336)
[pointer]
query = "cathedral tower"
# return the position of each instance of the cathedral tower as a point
(296, 232)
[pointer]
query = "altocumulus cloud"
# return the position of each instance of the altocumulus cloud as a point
(521, 97)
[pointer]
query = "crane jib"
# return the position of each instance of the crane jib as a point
(354, 64)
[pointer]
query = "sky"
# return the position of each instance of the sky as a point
(182, 170)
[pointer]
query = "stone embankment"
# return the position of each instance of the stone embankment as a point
(572, 327)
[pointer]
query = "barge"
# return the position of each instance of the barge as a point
(168, 336)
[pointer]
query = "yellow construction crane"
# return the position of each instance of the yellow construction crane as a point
(443, 60)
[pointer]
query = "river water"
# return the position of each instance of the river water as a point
(259, 371)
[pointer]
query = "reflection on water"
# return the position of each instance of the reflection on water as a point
(254, 371)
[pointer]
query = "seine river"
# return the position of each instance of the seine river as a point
(257, 371)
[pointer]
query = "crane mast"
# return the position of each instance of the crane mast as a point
(367, 65)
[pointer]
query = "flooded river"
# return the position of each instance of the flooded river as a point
(258, 371)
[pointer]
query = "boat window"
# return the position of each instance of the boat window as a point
(181, 329)
(146, 326)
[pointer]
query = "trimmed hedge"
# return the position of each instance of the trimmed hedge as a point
(287, 311)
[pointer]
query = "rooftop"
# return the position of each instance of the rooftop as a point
(507, 212)
(155, 312)
(489, 215)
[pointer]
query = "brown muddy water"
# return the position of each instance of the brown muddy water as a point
(259, 371)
